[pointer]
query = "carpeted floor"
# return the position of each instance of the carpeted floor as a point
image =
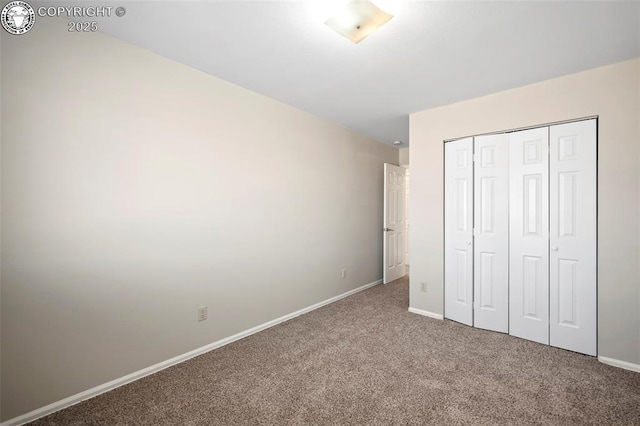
(366, 360)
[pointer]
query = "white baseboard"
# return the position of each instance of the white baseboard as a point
(620, 364)
(425, 313)
(100, 389)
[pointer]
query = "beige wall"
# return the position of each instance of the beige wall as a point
(404, 156)
(610, 92)
(135, 189)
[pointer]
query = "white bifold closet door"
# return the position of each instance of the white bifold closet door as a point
(458, 255)
(521, 234)
(529, 234)
(573, 206)
(491, 232)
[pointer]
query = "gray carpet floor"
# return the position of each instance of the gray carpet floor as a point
(365, 360)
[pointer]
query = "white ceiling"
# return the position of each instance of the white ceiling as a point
(431, 53)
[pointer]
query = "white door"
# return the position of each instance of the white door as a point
(529, 234)
(406, 210)
(394, 223)
(458, 231)
(491, 232)
(572, 298)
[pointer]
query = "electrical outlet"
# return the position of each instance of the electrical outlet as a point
(423, 286)
(344, 273)
(202, 313)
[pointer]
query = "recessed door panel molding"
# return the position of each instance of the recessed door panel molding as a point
(568, 292)
(487, 281)
(487, 205)
(394, 223)
(463, 211)
(529, 234)
(573, 228)
(400, 250)
(567, 203)
(532, 204)
(391, 242)
(491, 237)
(462, 278)
(532, 281)
(391, 206)
(458, 256)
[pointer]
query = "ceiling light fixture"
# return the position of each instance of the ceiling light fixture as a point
(397, 143)
(357, 19)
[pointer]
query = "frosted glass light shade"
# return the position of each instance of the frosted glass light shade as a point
(357, 19)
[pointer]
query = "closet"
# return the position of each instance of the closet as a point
(520, 233)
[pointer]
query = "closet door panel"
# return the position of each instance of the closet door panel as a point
(529, 234)
(491, 237)
(458, 256)
(573, 207)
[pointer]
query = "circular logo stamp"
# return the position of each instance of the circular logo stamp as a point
(18, 17)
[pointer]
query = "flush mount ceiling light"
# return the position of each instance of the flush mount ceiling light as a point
(397, 143)
(357, 19)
